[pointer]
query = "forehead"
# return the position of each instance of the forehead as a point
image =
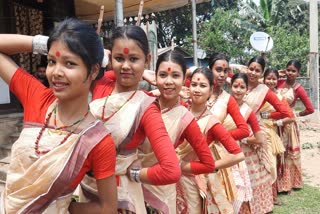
(61, 47)
(255, 64)
(169, 64)
(121, 44)
(199, 77)
(221, 63)
(291, 67)
(238, 81)
(272, 75)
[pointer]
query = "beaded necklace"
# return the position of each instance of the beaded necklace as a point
(104, 106)
(45, 125)
(165, 110)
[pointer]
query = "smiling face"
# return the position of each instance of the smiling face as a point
(220, 71)
(238, 89)
(169, 81)
(292, 72)
(271, 80)
(200, 89)
(254, 72)
(128, 62)
(67, 73)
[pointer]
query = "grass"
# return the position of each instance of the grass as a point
(303, 201)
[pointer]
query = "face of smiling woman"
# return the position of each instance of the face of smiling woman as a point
(67, 73)
(169, 81)
(199, 89)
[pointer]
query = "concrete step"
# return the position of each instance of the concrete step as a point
(5, 150)
(13, 137)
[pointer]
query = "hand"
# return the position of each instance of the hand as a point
(149, 76)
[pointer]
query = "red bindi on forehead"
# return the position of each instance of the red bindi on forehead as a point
(198, 79)
(58, 54)
(126, 50)
(169, 69)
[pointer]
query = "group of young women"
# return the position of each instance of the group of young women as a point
(134, 152)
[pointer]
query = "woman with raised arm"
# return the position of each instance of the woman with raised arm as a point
(182, 128)
(61, 140)
(290, 165)
(258, 94)
(256, 162)
(132, 115)
(207, 192)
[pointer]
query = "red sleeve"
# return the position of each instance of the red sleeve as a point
(33, 95)
(199, 144)
(281, 110)
(187, 83)
(242, 130)
(101, 160)
(281, 82)
(102, 87)
(302, 95)
(254, 123)
(167, 170)
(110, 75)
(219, 133)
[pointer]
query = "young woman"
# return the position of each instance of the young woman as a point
(220, 102)
(181, 126)
(206, 193)
(132, 115)
(256, 163)
(292, 72)
(257, 95)
(61, 140)
(290, 165)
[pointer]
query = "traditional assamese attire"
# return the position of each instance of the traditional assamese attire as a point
(261, 181)
(131, 116)
(45, 184)
(181, 126)
(291, 173)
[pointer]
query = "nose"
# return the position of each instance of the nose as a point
(125, 65)
(168, 80)
(57, 70)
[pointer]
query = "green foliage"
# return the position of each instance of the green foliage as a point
(224, 34)
(288, 45)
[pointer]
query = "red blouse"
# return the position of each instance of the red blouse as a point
(242, 130)
(300, 93)
(36, 99)
(151, 125)
(194, 136)
(219, 133)
(281, 110)
(253, 122)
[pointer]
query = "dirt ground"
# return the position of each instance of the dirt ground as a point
(310, 153)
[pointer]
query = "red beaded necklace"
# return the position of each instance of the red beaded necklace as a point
(104, 106)
(165, 110)
(45, 125)
(201, 115)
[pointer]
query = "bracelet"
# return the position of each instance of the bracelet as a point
(39, 44)
(105, 60)
(279, 123)
(135, 174)
(244, 140)
(264, 115)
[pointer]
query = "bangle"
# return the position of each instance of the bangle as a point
(279, 123)
(105, 60)
(244, 140)
(264, 115)
(39, 44)
(135, 174)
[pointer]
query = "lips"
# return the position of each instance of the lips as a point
(126, 74)
(168, 90)
(59, 86)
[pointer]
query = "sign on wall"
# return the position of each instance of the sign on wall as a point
(4, 93)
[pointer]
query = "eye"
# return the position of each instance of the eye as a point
(51, 62)
(68, 63)
(134, 59)
(194, 84)
(119, 59)
(162, 75)
(176, 75)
